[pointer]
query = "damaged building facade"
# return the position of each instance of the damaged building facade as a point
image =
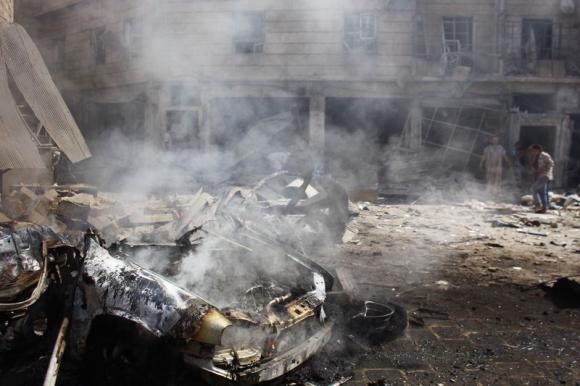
(414, 74)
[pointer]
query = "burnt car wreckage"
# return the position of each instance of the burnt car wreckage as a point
(231, 343)
(257, 312)
(106, 275)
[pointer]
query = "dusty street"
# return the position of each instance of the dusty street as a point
(474, 287)
(475, 280)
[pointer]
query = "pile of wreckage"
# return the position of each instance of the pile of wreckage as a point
(225, 278)
(281, 200)
(222, 279)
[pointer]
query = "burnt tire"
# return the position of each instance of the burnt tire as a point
(377, 330)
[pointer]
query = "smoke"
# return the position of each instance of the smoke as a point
(232, 108)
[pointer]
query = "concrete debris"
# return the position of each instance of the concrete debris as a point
(532, 233)
(560, 200)
(572, 200)
(164, 220)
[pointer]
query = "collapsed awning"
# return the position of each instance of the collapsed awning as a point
(17, 149)
(20, 56)
(7, 10)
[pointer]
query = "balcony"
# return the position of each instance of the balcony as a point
(540, 48)
(460, 48)
(452, 46)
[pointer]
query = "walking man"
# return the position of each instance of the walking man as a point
(544, 176)
(493, 155)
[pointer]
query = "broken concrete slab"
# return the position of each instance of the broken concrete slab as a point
(145, 219)
(4, 218)
(70, 210)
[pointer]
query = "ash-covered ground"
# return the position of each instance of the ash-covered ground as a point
(470, 277)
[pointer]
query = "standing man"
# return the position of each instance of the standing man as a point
(493, 155)
(544, 176)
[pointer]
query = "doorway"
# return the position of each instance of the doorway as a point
(574, 160)
(541, 135)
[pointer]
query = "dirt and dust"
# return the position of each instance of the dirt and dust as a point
(469, 275)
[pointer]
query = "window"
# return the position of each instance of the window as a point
(249, 38)
(458, 33)
(458, 40)
(98, 45)
(360, 32)
(133, 36)
(538, 38)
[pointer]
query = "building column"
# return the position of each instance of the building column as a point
(161, 111)
(205, 120)
(317, 124)
(152, 114)
(561, 154)
(514, 129)
(414, 136)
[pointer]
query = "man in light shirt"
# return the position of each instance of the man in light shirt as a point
(493, 157)
(544, 176)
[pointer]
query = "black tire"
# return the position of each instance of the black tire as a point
(378, 333)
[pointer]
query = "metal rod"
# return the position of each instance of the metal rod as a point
(57, 353)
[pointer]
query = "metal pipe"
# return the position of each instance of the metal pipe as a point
(57, 353)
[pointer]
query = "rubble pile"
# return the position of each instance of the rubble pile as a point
(283, 205)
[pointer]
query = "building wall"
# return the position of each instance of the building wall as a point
(191, 44)
(72, 24)
(303, 40)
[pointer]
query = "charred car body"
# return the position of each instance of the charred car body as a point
(37, 280)
(270, 329)
(231, 297)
